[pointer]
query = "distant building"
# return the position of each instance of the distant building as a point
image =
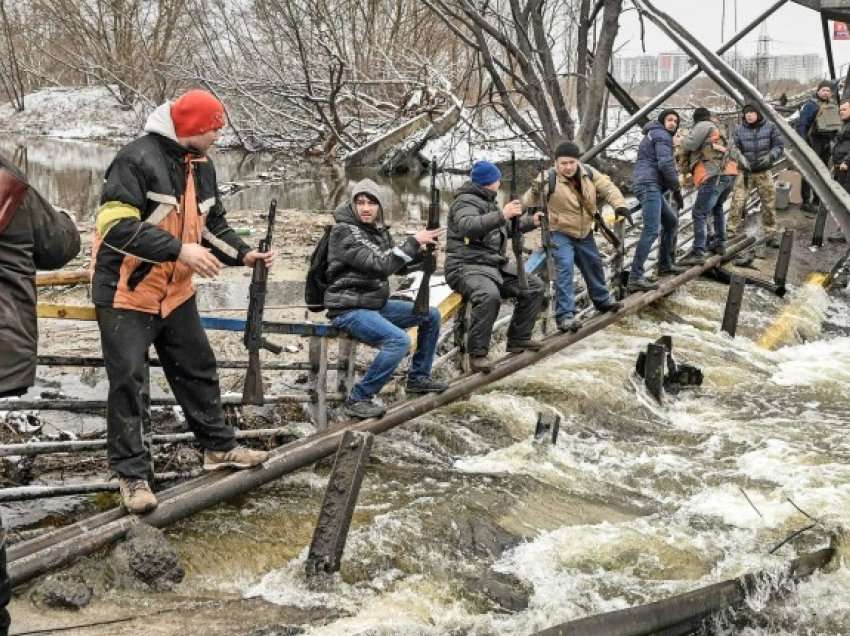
(668, 67)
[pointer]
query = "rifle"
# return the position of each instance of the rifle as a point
(252, 391)
(607, 232)
(548, 246)
(516, 235)
(429, 260)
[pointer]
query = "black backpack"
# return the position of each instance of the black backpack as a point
(317, 274)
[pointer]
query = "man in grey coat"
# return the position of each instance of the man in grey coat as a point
(33, 236)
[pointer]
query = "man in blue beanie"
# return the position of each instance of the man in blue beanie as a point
(478, 269)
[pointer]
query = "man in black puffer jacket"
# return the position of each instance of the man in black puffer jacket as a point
(361, 258)
(841, 149)
(477, 268)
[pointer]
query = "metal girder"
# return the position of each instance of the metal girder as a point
(804, 159)
(830, 9)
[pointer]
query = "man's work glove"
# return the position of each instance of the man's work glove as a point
(678, 200)
(760, 165)
(624, 213)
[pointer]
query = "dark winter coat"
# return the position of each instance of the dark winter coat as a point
(841, 149)
(656, 162)
(759, 140)
(478, 234)
(805, 121)
(361, 258)
(36, 237)
(144, 220)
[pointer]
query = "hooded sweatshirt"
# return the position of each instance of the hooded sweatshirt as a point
(157, 195)
(362, 257)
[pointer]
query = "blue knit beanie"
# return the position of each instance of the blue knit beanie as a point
(484, 173)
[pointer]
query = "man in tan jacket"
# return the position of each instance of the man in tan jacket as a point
(572, 205)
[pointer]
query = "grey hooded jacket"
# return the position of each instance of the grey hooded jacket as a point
(362, 257)
(37, 237)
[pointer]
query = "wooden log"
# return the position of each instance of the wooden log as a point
(688, 609)
(91, 361)
(75, 446)
(31, 558)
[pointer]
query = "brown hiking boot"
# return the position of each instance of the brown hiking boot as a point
(238, 457)
(136, 495)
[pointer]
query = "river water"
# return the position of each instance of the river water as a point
(637, 501)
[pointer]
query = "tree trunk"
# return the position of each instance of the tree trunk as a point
(594, 99)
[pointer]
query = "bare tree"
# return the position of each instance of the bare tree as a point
(11, 75)
(515, 41)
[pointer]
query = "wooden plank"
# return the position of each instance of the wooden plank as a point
(65, 312)
(63, 277)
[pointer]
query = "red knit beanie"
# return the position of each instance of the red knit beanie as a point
(196, 112)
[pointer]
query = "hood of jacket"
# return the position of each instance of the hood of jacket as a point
(160, 122)
(759, 117)
(654, 125)
(367, 186)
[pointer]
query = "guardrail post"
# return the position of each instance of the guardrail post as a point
(548, 425)
(733, 304)
(318, 381)
(338, 506)
(783, 261)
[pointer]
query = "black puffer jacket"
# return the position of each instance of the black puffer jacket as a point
(361, 258)
(478, 234)
(841, 149)
(37, 237)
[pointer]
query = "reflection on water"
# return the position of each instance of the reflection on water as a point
(70, 174)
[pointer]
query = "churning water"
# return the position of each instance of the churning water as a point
(461, 511)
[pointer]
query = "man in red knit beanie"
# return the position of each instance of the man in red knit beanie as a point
(161, 221)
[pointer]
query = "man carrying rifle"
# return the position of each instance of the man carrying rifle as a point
(361, 258)
(477, 268)
(160, 221)
(572, 205)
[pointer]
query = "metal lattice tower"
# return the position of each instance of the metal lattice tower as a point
(763, 59)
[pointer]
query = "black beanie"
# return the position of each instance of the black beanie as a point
(567, 149)
(825, 83)
(669, 111)
(701, 114)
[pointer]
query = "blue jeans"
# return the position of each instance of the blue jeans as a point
(710, 199)
(583, 252)
(385, 328)
(658, 217)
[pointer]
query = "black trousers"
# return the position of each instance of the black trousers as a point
(821, 146)
(189, 364)
(486, 298)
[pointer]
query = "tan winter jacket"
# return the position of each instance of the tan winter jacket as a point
(568, 213)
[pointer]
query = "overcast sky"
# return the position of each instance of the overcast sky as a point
(793, 28)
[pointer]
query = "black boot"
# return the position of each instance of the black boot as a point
(518, 346)
(425, 385)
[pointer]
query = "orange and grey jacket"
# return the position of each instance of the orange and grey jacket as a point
(157, 195)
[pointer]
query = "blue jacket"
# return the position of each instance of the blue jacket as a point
(655, 161)
(759, 140)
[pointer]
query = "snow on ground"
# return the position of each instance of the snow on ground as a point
(73, 113)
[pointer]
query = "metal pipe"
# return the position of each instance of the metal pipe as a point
(75, 446)
(830, 60)
(28, 493)
(87, 361)
(82, 406)
(31, 558)
(801, 155)
(678, 84)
